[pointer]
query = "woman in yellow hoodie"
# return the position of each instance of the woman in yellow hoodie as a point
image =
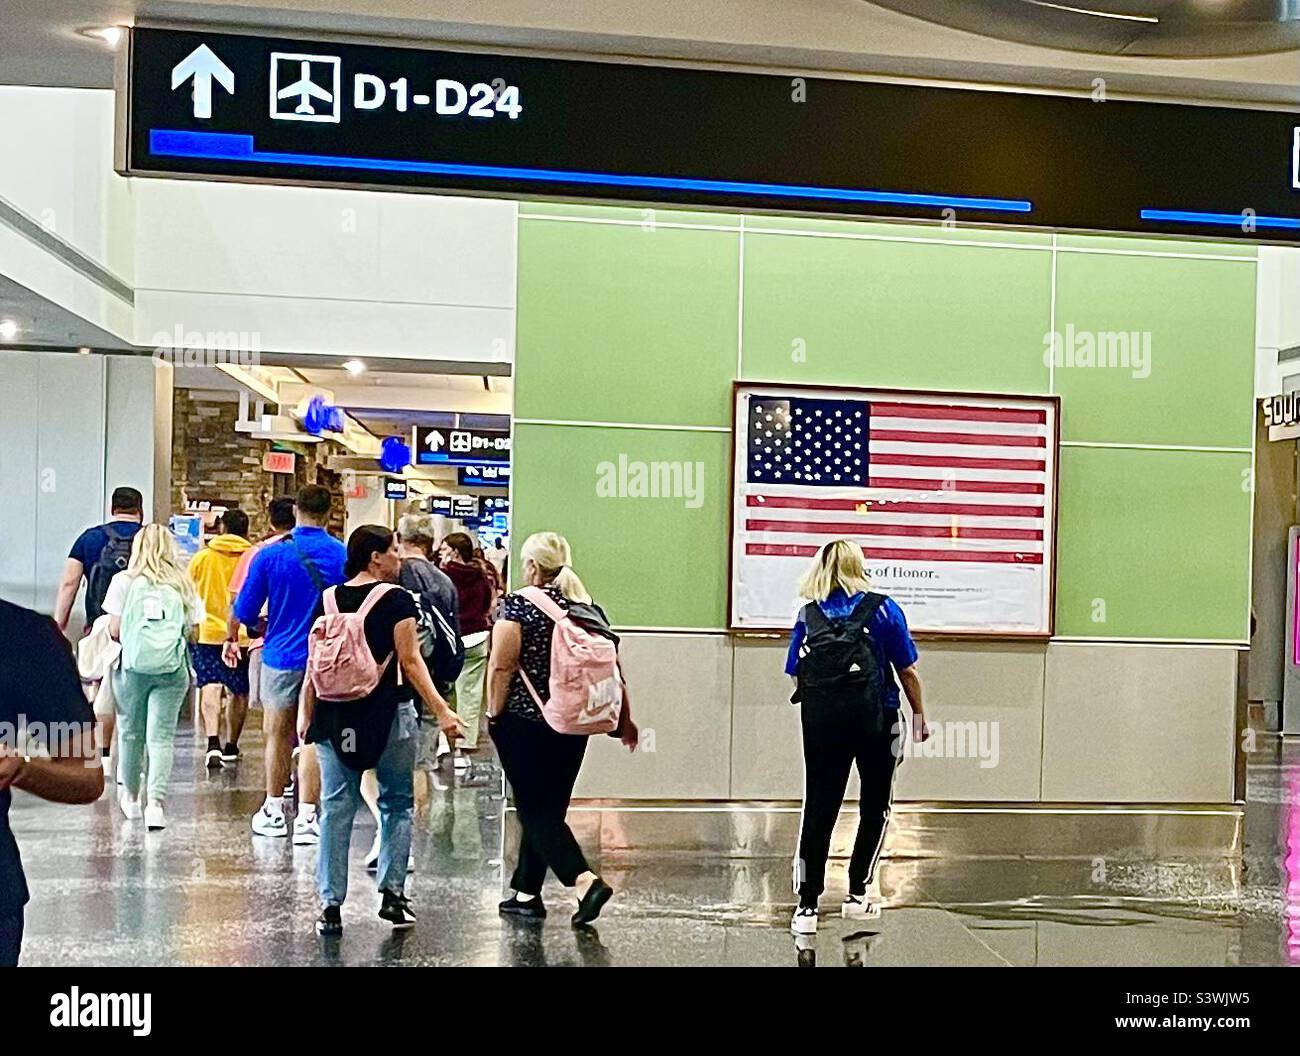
(211, 569)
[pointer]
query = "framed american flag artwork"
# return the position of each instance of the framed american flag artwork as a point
(952, 497)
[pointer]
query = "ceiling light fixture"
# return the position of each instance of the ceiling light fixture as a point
(110, 35)
(354, 367)
(83, 350)
(8, 329)
(1094, 14)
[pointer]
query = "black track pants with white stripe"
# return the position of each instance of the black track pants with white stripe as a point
(835, 738)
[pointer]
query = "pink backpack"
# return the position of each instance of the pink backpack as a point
(339, 661)
(586, 686)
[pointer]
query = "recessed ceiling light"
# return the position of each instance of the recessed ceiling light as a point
(8, 329)
(354, 367)
(110, 35)
(84, 350)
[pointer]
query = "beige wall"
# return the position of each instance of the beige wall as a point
(1019, 723)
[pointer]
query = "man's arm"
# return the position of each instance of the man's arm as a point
(73, 570)
(72, 778)
(247, 608)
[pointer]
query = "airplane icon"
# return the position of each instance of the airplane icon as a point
(307, 98)
(306, 91)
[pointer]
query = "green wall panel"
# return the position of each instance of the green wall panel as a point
(1192, 383)
(861, 229)
(896, 314)
(620, 324)
(652, 562)
(1160, 538)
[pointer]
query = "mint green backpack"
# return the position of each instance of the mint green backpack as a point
(153, 629)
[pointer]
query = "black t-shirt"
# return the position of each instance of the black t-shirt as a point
(358, 729)
(40, 684)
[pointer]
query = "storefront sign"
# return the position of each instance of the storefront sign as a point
(493, 476)
(278, 461)
(248, 106)
(1281, 410)
(459, 447)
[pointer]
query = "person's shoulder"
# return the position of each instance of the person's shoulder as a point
(889, 610)
(28, 629)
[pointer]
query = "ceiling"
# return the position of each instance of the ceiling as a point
(1198, 49)
(1168, 28)
(42, 323)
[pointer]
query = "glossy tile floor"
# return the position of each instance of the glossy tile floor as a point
(206, 891)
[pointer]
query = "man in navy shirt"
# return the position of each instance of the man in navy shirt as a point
(40, 692)
(126, 513)
(288, 578)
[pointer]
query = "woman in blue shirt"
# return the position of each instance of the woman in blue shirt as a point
(839, 728)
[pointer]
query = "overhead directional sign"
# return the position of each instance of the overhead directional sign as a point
(296, 110)
(431, 446)
(485, 476)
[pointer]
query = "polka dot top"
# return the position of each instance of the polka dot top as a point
(534, 651)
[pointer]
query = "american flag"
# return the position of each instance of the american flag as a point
(915, 481)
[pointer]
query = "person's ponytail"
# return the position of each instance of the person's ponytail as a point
(550, 552)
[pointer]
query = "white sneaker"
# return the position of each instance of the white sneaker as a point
(444, 748)
(270, 823)
(372, 856)
(130, 806)
(460, 764)
(306, 829)
(860, 907)
(154, 818)
(804, 921)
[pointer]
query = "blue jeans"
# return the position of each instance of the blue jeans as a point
(340, 798)
(11, 937)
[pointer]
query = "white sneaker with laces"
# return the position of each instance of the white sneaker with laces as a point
(130, 805)
(154, 818)
(270, 823)
(306, 829)
(804, 921)
(860, 907)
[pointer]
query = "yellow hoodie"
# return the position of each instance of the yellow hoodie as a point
(211, 569)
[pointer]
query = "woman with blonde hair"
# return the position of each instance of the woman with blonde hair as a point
(155, 611)
(848, 644)
(540, 763)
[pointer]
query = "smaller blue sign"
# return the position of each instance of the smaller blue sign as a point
(484, 476)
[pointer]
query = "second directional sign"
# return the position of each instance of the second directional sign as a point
(432, 446)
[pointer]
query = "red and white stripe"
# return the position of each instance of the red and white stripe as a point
(948, 482)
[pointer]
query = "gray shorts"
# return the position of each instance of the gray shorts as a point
(279, 690)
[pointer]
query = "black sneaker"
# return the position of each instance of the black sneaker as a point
(589, 907)
(533, 909)
(214, 754)
(230, 753)
(396, 909)
(330, 921)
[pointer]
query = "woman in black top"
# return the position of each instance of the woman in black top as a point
(540, 764)
(376, 732)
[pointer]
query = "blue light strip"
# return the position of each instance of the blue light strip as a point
(1178, 216)
(233, 147)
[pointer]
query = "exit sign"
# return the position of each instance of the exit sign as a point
(278, 461)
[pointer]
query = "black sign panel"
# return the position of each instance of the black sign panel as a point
(434, 446)
(222, 105)
(464, 506)
(486, 476)
(395, 488)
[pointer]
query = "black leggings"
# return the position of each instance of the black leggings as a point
(542, 767)
(11, 937)
(835, 738)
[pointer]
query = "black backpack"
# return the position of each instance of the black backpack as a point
(113, 559)
(838, 664)
(440, 641)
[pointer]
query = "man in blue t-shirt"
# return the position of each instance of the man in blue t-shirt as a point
(126, 512)
(288, 578)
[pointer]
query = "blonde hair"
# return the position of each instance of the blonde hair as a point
(839, 564)
(153, 556)
(550, 552)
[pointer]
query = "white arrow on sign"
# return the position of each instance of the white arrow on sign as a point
(435, 440)
(203, 65)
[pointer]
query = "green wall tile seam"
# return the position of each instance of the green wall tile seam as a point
(586, 424)
(916, 239)
(1118, 445)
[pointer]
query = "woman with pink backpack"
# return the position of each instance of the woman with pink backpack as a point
(553, 681)
(363, 662)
